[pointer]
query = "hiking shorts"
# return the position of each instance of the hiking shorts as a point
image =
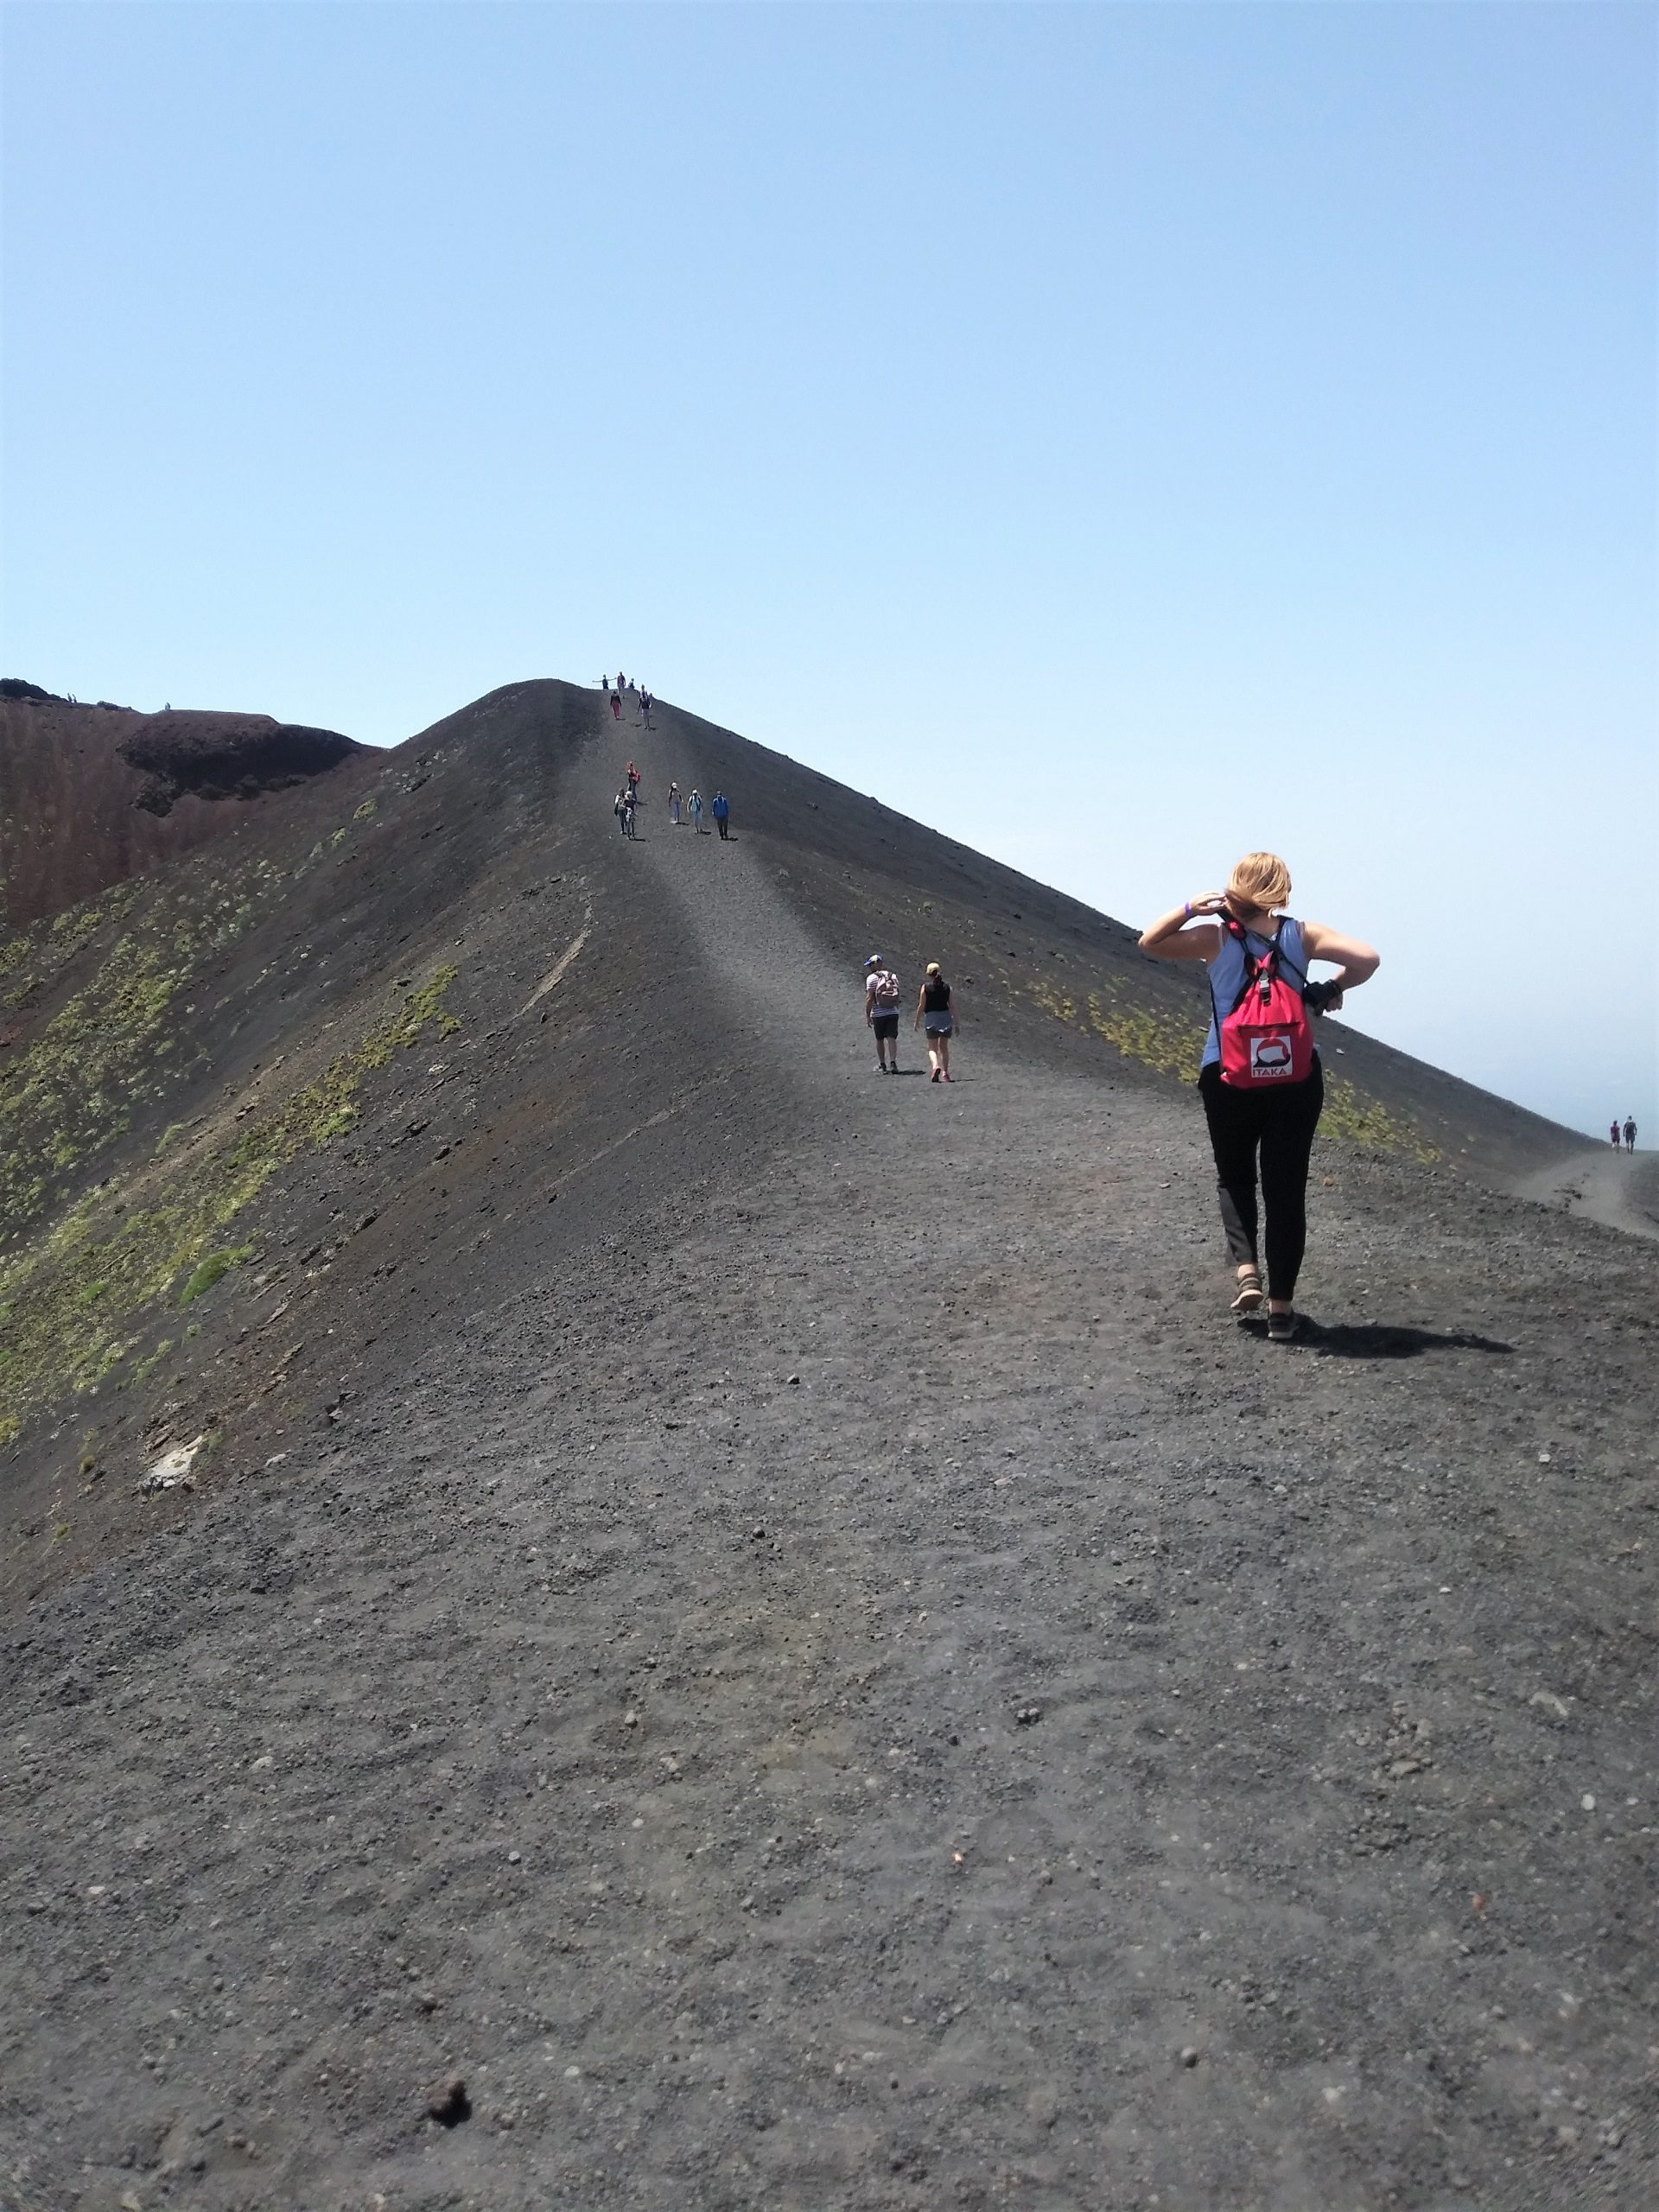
(936, 1025)
(885, 1025)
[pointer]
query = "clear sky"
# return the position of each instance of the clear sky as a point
(1119, 435)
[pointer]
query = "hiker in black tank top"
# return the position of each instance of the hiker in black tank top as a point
(936, 1015)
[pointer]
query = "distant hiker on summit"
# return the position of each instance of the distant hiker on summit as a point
(1629, 1132)
(881, 1011)
(936, 1018)
(1260, 1076)
(721, 807)
(1613, 1134)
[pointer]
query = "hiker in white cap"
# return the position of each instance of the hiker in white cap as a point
(881, 1012)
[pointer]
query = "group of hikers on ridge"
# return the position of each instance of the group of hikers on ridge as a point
(1629, 1132)
(643, 700)
(935, 1016)
(690, 809)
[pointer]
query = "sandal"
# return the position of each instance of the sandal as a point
(1250, 1294)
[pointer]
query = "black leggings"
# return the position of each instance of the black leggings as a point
(1283, 1124)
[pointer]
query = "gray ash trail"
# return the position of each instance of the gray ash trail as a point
(775, 988)
(1620, 1191)
(763, 968)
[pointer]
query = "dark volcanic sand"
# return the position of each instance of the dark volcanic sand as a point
(851, 1683)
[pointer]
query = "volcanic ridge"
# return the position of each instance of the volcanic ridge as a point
(602, 1609)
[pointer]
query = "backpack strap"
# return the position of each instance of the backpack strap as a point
(1242, 939)
(1274, 957)
(1299, 974)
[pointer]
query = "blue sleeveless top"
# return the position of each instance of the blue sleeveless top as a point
(1226, 974)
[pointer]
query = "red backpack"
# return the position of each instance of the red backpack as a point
(1266, 1039)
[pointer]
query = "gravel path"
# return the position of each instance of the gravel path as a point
(1619, 1190)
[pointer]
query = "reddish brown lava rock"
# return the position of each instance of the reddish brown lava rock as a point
(92, 795)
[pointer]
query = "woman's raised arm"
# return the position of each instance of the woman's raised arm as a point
(1355, 962)
(1169, 937)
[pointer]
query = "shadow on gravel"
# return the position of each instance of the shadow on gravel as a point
(1384, 1340)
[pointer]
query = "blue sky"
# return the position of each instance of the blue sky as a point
(1119, 435)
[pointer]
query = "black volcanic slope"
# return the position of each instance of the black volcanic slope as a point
(762, 1616)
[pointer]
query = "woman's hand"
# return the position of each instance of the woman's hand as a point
(1169, 937)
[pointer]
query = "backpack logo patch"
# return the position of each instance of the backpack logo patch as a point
(1270, 1057)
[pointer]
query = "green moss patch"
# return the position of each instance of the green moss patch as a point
(142, 1370)
(73, 1090)
(210, 1270)
(72, 1303)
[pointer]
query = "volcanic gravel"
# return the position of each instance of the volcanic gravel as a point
(834, 1675)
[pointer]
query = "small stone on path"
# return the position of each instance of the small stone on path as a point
(448, 2103)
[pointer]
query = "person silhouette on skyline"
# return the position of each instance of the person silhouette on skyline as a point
(1629, 1132)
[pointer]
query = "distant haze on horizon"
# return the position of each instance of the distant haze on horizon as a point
(1117, 436)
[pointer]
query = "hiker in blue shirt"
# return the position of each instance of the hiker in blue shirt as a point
(721, 808)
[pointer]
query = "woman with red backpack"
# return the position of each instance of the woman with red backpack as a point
(1260, 1076)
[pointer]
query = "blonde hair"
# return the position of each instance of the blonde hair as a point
(1260, 879)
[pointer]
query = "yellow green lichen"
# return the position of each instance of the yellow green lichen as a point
(210, 1270)
(142, 1370)
(1173, 1044)
(1355, 1116)
(71, 1303)
(73, 1090)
